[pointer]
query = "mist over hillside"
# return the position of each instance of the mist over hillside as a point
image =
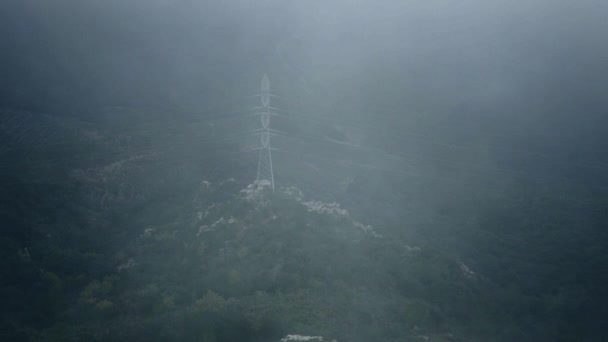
(439, 170)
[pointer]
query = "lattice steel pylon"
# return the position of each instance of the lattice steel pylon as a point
(265, 170)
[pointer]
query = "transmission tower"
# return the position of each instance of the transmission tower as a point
(265, 171)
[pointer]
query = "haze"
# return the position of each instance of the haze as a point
(469, 135)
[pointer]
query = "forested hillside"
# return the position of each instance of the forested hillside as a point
(126, 241)
(440, 170)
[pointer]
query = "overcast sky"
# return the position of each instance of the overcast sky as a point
(538, 64)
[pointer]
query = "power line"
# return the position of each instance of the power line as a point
(302, 137)
(102, 157)
(324, 120)
(349, 164)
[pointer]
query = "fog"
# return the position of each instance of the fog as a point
(472, 131)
